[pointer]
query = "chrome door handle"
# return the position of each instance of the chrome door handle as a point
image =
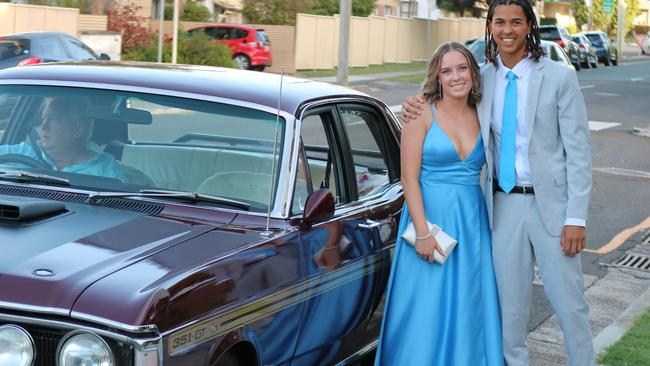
(370, 224)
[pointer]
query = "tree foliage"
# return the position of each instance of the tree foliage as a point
(191, 12)
(607, 22)
(281, 12)
(284, 11)
(360, 8)
(130, 25)
(459, 6)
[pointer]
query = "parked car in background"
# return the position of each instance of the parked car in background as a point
(560, 35)
(477, 48)
(247, 230)
(556, 53)
(251, 47)
(588, 56)
(645, 46)
(37, 47)
(606, 50)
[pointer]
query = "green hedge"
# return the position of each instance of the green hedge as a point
(195, 49)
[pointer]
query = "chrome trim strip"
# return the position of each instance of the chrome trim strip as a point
(148, 328)
(136, 342)
(360, 353)
(34, 309)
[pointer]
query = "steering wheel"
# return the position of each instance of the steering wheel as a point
(25, 160)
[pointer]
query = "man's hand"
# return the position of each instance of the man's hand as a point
(412, 108)
(573, 240)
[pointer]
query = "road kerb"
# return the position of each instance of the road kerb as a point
(613, 332)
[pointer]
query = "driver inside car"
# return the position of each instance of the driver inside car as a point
(63, 141)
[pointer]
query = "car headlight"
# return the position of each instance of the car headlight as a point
(16, 346)
(84, 348)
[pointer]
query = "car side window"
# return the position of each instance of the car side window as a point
(366, 140)
(78, 50)
(322, 159)
(302, 188)
(240, 33)
(220, 33)
(49, 47)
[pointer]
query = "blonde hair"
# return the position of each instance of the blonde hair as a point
(431, 88)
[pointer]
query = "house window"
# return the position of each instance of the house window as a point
(388, 10)
(405, 9)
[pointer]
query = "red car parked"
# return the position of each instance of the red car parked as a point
(251, 48)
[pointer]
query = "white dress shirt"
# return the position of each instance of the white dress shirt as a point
(522, 166)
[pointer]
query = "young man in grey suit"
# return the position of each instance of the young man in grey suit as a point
(538, 184)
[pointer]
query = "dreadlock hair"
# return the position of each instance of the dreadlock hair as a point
(533, 43)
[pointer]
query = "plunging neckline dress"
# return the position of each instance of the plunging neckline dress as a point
(445, 315)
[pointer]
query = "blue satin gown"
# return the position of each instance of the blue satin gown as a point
(445, 315)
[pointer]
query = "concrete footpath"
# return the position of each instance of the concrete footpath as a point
(615, 301)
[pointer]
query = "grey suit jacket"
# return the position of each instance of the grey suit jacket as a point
(558, 152)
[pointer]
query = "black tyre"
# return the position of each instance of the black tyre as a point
(242, 61)
(615, 61)
(607, 62)
(227, 359)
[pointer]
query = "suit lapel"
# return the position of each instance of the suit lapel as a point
(534, 86)
(485, 107)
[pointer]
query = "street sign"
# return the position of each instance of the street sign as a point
(608, 6)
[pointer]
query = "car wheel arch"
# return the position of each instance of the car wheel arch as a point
(240, 353)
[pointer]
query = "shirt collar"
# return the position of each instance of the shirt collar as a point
(519, 70)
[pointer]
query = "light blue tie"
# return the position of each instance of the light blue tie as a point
(508, 134)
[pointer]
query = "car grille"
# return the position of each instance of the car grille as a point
(47, 341)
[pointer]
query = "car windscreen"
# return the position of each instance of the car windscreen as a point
(262, 37)
(12, 47)
(595, 40)
(125, 141)
(549, 33)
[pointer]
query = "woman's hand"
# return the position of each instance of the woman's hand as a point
(426, 248)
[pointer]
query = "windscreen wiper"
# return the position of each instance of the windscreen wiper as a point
(161, 193)
(25, 176)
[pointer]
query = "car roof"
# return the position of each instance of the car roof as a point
(37, 34)
(239, 26)
(251, 86)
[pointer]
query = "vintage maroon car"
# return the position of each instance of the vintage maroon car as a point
(206, 218)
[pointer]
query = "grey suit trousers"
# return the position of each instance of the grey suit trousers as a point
(519, 238)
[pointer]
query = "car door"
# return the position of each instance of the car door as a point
(239, 42)
(348, 150)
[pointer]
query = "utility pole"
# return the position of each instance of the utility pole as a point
(345, 8)
(175, 33)
(590, 25)
(161, 19)
(622, 9)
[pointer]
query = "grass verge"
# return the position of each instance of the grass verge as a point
(411, 79)
(633, 348)
(372, 69)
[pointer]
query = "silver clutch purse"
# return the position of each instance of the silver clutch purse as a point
(446, 242)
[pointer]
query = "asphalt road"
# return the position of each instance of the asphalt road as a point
(620, 97)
